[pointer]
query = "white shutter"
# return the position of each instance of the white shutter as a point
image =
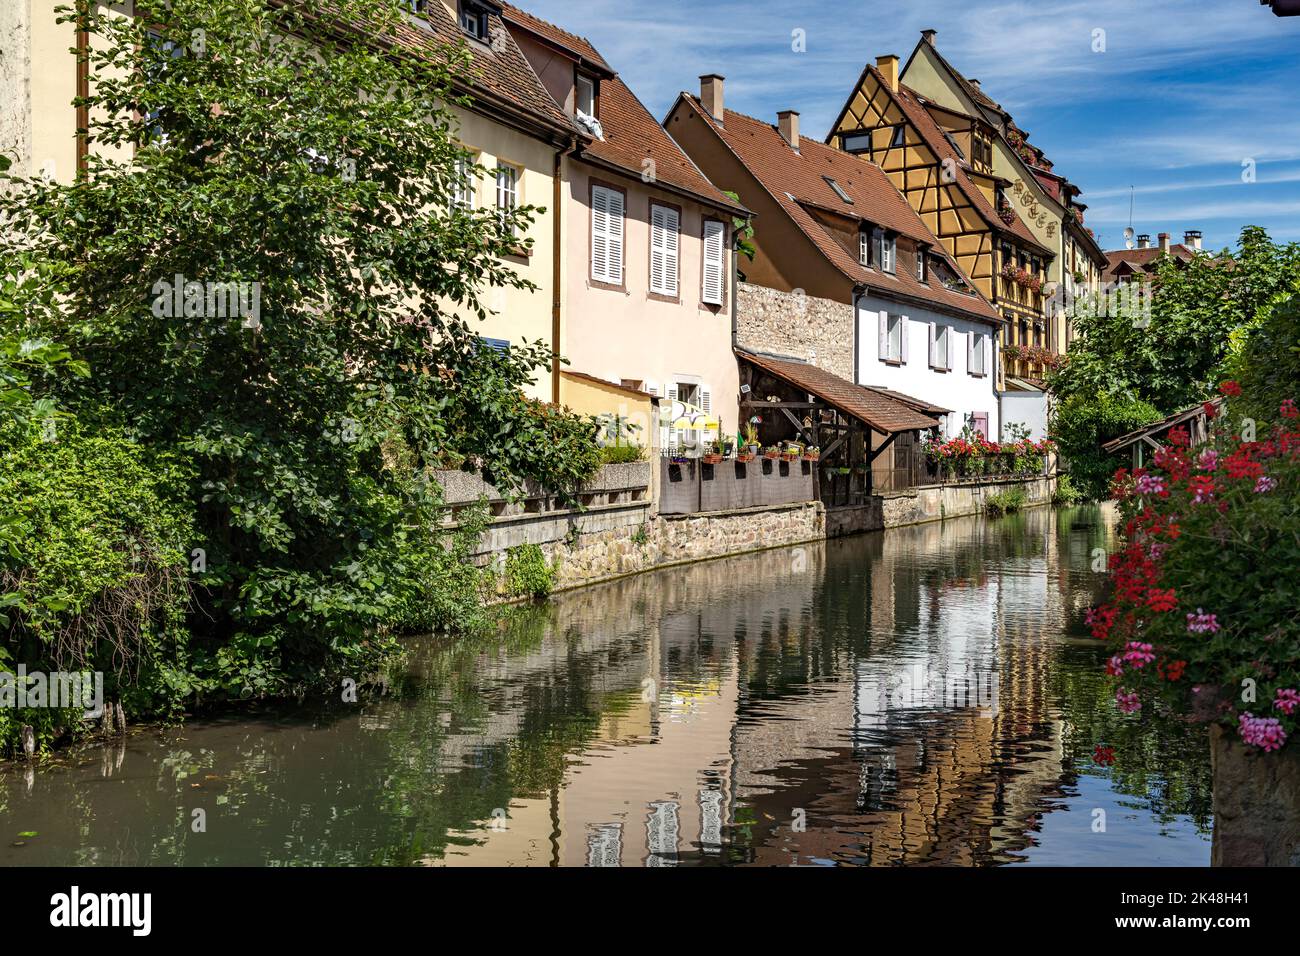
(706, 400)
(934, 346)
(884, 336)
(665, 224)
(606, 235)
(714, 261)
(902, 337)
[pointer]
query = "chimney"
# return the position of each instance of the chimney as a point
(928, 36)
(788, 122)
(1164, 241)
(888, 65)
(711, 94)
(1144, 241)
(1192, 238)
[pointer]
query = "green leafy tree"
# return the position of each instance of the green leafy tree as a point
(1150, 357)
(269, 275)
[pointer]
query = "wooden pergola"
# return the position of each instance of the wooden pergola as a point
(851, 424)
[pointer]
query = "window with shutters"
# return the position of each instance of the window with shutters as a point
(607, 235)
(939, 347)
(893, 338)
(665, 244)
(507, 192)
(975, 363)
(714, 266)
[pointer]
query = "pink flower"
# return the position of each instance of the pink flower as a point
(1150, 485)
(1263, 732)
(1202, 623)
(1115, 666)
(1265, 483)
(1139, 655)
(1288, 408)
(1127, 701)
(1208, 460)
(1287, 700)
(1202, 489)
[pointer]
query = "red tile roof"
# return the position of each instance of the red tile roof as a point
(581, 47)
(797, 181)
(497, 69)
(1140, 259)
(631, 134)
(868, 405)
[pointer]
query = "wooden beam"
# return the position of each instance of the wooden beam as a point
(888, 441)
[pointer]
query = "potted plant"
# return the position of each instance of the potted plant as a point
(712, 454)
(771, 453)
(793, 451)
(751, 439)
(1202, 621)
(812, 454)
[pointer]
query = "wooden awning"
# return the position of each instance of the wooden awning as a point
(871, 406)
(1147, 433)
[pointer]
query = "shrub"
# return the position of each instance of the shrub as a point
(1066, 493)
(622, 454)
(1203, 611)
(527, 572)
(1005, 502)
(96, 576)
(1082, 424)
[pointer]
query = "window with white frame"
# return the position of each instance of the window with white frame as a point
(864, 247)
(665, 223)
(607, 235)
(473, 19)
(893, 338)
(714, 263)
(462, 188)
(976, 362)
(940, 346)
(584, 98)
(922, 272)
(507, 193)
(886, 250)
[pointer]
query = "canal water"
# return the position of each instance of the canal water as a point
(926, 695)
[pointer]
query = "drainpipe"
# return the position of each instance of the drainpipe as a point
(859, 290)
(556, 258)
(735, 286)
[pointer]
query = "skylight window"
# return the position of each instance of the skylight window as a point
(839, 190)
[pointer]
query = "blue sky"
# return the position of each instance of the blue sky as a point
(1185, 92)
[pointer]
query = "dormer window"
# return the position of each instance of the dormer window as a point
(474, 20)
(886, 249)
(922, 270)
(584, 95)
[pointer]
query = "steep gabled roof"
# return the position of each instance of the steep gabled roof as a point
(798, 181)
(631, 136)
(579, 47)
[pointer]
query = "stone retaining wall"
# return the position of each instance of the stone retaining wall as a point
(931, 503)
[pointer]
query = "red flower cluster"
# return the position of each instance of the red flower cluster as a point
(1157, 605)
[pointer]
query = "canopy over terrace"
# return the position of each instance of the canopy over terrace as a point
(853, 425)
(1145, 440)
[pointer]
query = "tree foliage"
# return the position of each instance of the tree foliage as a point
(268, 275)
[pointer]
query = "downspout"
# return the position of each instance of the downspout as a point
(557, 253)
(859, 290)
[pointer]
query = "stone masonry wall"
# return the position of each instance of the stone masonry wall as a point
(796, 324)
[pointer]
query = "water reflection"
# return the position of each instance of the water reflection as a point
(926, 695)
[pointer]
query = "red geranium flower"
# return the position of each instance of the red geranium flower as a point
(1103, 755)
(1162, 600)
(1229, 388)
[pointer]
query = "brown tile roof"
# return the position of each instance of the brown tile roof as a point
(920, 404)
(868, 405)
(498, 69)
(797, 181)
(631, 134)
(578, 46)
(1142, 258)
